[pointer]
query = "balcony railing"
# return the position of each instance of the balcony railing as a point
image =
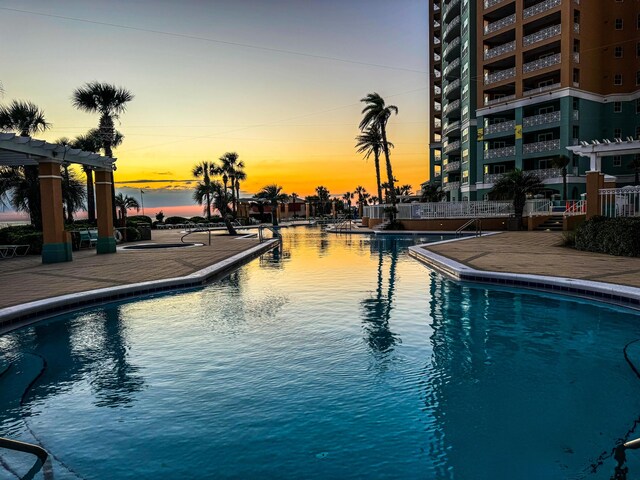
(499, 76)
(500, 152)
(541, 35)
(500, 50)
(500, 24)
(540, 7)
(493, 101)
(451, 127)
(542, 63)
(455, 85)
(491, 3)
(620, 202)
(541, 119)
(437, 91)
(491, 178)
(576, 57)
(449, 186)
(546, 146)
(535, 91)
(452, 147)
(576, 27)
(453, 65)
(451, 107)
(547, 173)
(452, 166)
(454, 23)
(450, 6)
(508, 126)
(464, 209)
(452, 45)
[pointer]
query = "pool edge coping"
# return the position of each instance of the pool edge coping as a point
(612, 293)
(24, 314)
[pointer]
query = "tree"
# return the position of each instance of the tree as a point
(376, 114)
(233, 169)
(403, 190)
(294, 198)
(204, 190)
(124, 203)
(74, 193)
(562, 162)
(346, 198)
(323, 198)
(110, 102)
(26, 119)
(160, 216)
(362, 194)
(432, 193)
(274, 195)
(370, 142)
(516, 185)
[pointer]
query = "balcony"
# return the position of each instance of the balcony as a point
(540, 8)
(451, 47)
(508, 126)
(537, 147)
(494, 101)
(543, 34)
(499, 76)
(449, 7)
(576, 28)
(547, 173)
(452, 106)
(451, 186)
(500, 24)
(451, 88)
(541, 119)
(500, 152)
(437, 107)
(491, 178)
(437, 91)
(451, 67)
(490, 3)
(576, 57)
(452, 166)
(450, 28)
(541, 63)
(451, 127)
(500, 50)
(452, 147)
(535, 91)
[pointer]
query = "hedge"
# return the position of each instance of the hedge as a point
(175, 220)
(135, 219)
(22, 235)
(615, 236)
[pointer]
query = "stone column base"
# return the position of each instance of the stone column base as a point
(106, 245)
(56, 252)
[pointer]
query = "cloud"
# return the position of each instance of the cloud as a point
(155, 181)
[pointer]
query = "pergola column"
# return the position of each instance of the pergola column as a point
(307, 209)
(595, 181)
(104, 210)
(286, 211)
(56, 243)
(333, 209)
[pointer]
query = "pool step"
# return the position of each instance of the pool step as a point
(552, 224)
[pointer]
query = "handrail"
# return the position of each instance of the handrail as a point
(273, 230)
(478, 223)
(30, 448)
(208, 230)
(343, 226)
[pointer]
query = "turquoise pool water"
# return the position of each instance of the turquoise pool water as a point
(338, 357)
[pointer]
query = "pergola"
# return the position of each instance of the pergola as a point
(48, 157)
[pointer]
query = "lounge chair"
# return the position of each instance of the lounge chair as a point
(10, 251)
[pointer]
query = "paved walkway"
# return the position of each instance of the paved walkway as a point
(26, 279)
(539, 253)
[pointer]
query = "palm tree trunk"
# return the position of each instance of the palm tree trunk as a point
(208, 207)
(33, 196)
(376, 156)
(392, 189)
(91, 202)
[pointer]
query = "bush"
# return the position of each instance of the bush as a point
(135, 219)
(615, 236)
(132, 234)
(22, 235)
(198, 219)
(175, 220)
(395, 225)
(569, 239)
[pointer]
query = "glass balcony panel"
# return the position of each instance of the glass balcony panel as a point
(452, 166)
(452, 147)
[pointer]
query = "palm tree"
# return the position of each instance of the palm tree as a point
(516, 185)
(362, 194)
(240, 175)
(89, 142)
(635, 166)
(124, 203)
(294, 197)
(204, 192)
(274, 195)
(74, 193)
(26, 119)
(205, 170)
(432, 193)
(110, 102)
(562, 162)
(370, 142)
(347, 198)
(375, 200)
(403, 190)
(376, 114)
(232, 168)
(323, 198)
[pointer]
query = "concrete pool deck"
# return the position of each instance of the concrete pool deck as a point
(536, 260)
(30, 288)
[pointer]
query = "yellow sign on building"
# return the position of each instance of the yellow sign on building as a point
(480, 134)
(518, 132)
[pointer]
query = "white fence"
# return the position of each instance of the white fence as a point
(421, 211)
(620, 202)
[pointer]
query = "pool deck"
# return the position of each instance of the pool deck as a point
(536, 260)
(26, 281)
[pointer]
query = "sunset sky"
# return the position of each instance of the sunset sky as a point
(277, 81)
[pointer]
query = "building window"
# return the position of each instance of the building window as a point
(545, 83)
(617, 107)
(638, 105)
(617, 52)
(576, 132)
(617, 79)
(576, 76)
(499, 169)
(499, 144)
(618, 24)
(576, 104)
(545, 163)
(617, 133)
(545, 137)
(547, 109)
(617, 161)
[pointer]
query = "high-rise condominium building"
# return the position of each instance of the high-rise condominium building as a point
(514, 82)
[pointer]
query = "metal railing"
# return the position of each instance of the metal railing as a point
(451, 106)
(493, 101)
(500, 152)
(452, 166)
(540, 7)
(491, 3)
(507, 126)
(620, 202)
(455, 85)
(449, 7)
(274, 230)
(541, 119)
(541, 63)
(452, 44)
(500, 24)
(500, 50)
(535, 91)
(537, 207)
(36, 450)
(499, 76)
(478, 225)
(451, 66)
(546, 146)
(541, 35)
(471, 210)
(449, 186)
(450, 127)
(575, 207)
(452, 146)
(547, 173)
(451, 26)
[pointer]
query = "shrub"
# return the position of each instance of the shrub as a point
(615, 236)
(22, 235)
(175, 220)
(198, 219)
(395, 225)
(132, 234)
(135, 219)
(569, 239)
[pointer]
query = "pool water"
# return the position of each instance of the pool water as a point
(336, 357)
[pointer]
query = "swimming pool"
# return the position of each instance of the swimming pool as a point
(336, 357)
